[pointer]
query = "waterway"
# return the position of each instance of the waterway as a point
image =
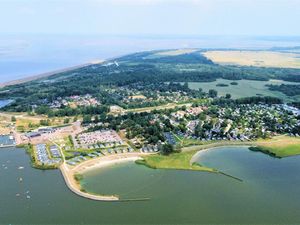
(269, 192)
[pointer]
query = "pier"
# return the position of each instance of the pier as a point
(7, 146)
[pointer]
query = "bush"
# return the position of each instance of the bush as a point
(167, 149)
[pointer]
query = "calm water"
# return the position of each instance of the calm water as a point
(269, 194)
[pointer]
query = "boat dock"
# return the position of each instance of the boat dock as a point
(7, 141)
(7, 146)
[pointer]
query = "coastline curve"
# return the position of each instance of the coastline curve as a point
(69, 172)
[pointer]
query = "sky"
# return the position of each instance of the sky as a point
(151, 17)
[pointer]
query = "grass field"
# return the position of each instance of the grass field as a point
(282, 146)
(178, 161)
(255, 58)
(245, 88)
(26, 122)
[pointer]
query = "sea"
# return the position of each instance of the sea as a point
(23, 55)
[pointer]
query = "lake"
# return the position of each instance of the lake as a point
(268, 194)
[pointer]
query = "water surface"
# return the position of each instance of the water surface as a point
(4, 103)
(269, 193)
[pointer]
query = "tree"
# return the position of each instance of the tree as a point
(45, 122)
(87, 119)
(167, 149)
(186, 86)
(228, 96)
(66, 120)
(13, 119)
(212, 93)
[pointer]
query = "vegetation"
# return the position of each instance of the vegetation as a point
(284, 147)
(255, 58)
(141, 68)
(178, 161)
(222, 85)
(78, 177)
(246, 88)
(289, 90)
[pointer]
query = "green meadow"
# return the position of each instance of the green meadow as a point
(244, 88)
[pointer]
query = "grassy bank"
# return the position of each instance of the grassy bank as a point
(178, 161)
(280, 147)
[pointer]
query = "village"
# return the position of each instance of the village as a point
(149, 130)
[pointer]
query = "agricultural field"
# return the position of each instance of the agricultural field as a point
(255, 58)
(244, 88)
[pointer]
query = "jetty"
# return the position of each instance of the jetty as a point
(7, 146)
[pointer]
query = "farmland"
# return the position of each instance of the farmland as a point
(255, 58)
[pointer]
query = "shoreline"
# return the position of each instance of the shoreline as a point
(205, 150)
(68, 173)
(47, 74)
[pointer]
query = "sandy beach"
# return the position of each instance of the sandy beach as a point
(68, 173)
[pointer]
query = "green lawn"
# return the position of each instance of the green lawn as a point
(178, 161)
(282, 146)
(289, 150)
